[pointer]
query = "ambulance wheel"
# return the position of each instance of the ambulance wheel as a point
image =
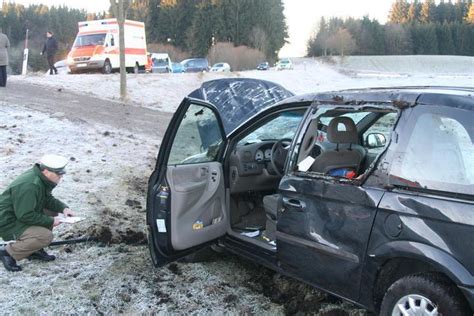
(107, 69)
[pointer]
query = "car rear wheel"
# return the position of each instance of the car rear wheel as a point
(107, 68)
(423, 294)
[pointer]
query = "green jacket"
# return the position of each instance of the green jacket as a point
(22, 204)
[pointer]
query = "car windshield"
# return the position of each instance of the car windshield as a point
(89, 40)
(283, 126)
(218, 65)
(160, 62)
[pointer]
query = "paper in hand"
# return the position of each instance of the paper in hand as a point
(69, 219)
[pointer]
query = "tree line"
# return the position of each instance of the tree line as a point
(193, 26)
(413, 27)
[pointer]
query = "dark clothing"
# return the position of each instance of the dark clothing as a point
(50, 47)
(22, 204)
(52, 69)
(3, 76)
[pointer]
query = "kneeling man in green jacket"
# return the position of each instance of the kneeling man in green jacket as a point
(28, 210)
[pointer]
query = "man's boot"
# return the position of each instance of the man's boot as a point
(42, 256)
(8, 261)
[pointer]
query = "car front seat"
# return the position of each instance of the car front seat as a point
(344, 151)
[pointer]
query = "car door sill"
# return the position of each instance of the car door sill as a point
(260, 243)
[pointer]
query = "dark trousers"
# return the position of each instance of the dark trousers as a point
(3, 76)
(52, 69)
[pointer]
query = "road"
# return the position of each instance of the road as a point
(86, 108)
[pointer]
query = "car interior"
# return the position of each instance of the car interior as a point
(337, 143)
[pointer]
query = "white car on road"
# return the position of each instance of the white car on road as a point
(284, 63)
(220, 67)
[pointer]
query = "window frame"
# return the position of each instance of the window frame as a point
(188, 102)
(291, 166)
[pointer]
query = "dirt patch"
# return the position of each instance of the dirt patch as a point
(114, 228)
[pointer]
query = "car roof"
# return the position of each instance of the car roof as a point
(461, 97)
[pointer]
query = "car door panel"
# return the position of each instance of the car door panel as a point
(186, 197)
(198, 204)
(322, 233)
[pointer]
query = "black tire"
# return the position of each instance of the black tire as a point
(440, 292)
(107, 68)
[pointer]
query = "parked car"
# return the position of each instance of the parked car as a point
(220, 67)
(367, 194)
(263, 66)
(195, 65)
(177, 68)
(283, 64)
(161, 63)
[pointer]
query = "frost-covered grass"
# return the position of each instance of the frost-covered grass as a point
(105, 183)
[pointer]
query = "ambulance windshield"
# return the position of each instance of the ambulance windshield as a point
(90, 40)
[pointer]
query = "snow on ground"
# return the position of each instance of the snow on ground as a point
(105, 183)
(420, 65)
(165, 91)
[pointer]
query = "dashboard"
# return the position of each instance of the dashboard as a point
(251, 167)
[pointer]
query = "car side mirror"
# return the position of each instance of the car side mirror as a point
(375, 140)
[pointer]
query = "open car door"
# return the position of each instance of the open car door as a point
(186, 208)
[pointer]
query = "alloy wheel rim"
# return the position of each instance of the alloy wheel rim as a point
(415, 305)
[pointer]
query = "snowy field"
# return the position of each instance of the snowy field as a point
(164, 92)
(106, 183)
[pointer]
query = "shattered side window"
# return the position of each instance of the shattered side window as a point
(198, 138)
(439, 154)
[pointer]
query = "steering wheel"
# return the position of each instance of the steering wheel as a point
(279, 153)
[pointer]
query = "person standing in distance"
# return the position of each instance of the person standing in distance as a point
(4, 45)
(28, 210)
(50, 48)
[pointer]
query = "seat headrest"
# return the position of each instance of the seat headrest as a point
(349, 135)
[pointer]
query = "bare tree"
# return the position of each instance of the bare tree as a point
(342, 42)
(120, 9)
(259, 40)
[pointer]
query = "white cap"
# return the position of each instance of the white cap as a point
(54, 163)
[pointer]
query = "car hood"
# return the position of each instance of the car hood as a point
(239, 99)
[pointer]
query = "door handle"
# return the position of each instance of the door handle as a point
(294, 203)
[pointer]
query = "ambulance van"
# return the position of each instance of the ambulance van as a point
(96, 47)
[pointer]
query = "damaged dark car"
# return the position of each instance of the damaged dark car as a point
(366, 194)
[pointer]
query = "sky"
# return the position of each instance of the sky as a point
(302, 15)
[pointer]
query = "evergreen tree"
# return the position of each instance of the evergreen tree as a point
(445, 39)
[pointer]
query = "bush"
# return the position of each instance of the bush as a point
(175, 53)
(239, 58)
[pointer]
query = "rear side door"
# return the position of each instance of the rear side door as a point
(186, 197)
(323, 228)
